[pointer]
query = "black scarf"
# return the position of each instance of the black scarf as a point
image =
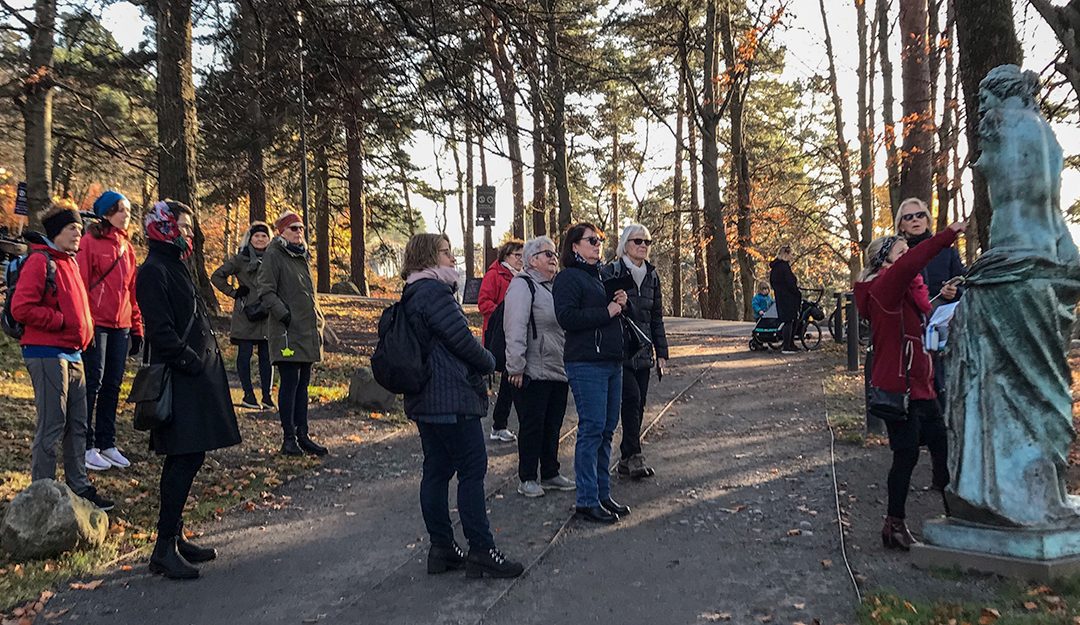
(914, 240)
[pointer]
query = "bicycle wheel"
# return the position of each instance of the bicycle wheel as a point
(835, 327)
(811, 336)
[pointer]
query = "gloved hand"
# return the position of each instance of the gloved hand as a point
(286, 320)
(136, 345)
(241, 291)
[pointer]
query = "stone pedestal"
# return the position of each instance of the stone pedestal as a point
(1037, 555)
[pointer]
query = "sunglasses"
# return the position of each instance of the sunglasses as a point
(296, 228)
(918, 215)
(592, 240)
(545, 254)
(645, 242)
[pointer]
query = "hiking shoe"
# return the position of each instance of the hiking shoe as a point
(636, 467)
(113, 456)
(491, 562)
(91, 495)
(505, 436)
(623, 467)
(442, 559)
(249, 401)
(531, 488)
(558, 483)
(95, 462)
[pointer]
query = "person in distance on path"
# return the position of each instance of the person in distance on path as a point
(788, 296)
(890, 292)
(492, 293)
(647, 311)
(179, 334)
(448, 410)
(593, 355)
(534, 364)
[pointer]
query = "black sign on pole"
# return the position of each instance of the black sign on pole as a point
(485, 205)
(22, 205)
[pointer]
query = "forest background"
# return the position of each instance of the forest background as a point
(728, 127)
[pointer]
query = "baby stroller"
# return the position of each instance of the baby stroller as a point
(769, 331)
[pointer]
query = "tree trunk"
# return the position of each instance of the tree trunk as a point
(740, 172)
(322, 215)
(354, 146)
(37, 111)
(946, 135)
(469, 228)
(987, 38)
(539, 148)
(917, 171)
(178, 125)
(503, 70)
(558, 117)
(866, 132)
(700, 274)
(677, 200)
(843, 157)
(252, 57)
(888, 103)
(1065, 22)
(613, 187)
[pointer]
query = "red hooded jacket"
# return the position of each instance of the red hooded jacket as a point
(493, 290)
(52, 319)
(899, 295)
(111, 292)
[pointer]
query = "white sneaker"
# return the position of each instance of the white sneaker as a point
(531, 488)
(95, 462)
(505, 436)
(113, 456)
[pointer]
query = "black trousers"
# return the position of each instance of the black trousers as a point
(503, 402)
(244, 349)
(788, 334)
(293, 396)
(541, 406)
(455, 448)
(635, 391)
(177, 474)
(924, 426)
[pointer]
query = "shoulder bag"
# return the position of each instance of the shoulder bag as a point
(151, 390)
(890, 406)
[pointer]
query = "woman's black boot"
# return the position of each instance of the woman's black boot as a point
(192, 552)
(290, 448)
(166, 560)
(491, 562)
(442, 559)
(309, 445)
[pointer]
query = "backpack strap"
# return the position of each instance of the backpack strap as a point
(50, 270)
(532, 302)
(102, 277)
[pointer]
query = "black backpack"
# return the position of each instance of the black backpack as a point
(13, 328)
(399, 364)
(495, 337)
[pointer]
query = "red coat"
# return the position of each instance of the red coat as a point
(52, 319)
(112, 294)
(881, 300)
(493, 290)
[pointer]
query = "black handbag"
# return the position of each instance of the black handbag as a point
(635, 339)
(255, 312)
(151, 390)
(892, 406)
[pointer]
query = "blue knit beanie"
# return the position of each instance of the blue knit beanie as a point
(106, 202)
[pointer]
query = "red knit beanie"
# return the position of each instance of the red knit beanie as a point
(287, 219)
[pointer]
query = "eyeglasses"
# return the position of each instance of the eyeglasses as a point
(545, 254)
(918, 215)
(592, 240)
(515, 254)
(296, 228)
(645, 242)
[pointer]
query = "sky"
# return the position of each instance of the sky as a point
(802, 36)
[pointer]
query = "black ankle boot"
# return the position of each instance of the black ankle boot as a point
(194, 553)
(614, 507)
(167, 561)
(442, 559)
(491, 562)
(309, 445)
(290, 448)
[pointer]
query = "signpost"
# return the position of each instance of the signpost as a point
(485, 217)
(22, 205)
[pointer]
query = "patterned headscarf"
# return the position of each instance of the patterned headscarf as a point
(883, 253)
(161, 225)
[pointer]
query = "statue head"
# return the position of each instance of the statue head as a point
(1008, 86)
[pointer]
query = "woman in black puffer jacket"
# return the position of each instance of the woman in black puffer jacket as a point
(647, 311)
(448, 410)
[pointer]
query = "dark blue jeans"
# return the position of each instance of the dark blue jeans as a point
(597, 390)
(451, 448)
(293, 396)
(104, 372)
(244, 348)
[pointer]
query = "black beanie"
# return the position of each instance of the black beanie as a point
(260, 227)
(55, 224)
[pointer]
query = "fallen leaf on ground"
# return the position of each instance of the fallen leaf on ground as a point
(826, 564)
(794, 532)
(126, 568)
(799, 606)
(989, 616)
(1031, 606)
(87, 586)
(715, 617)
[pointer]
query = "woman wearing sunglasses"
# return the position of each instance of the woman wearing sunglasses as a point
(913, 223)
(593, 356)
(294, 329)
(647, 311)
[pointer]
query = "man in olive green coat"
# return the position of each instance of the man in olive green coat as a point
(294, 331)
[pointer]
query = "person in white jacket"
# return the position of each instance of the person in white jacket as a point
(534, 365)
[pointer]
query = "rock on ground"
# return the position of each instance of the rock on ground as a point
(47, 519)
(366, 393)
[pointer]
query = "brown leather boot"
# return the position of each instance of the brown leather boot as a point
(895, 534)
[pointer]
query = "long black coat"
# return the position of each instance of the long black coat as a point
(646, 310)
(203, 417)
(786, 287)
